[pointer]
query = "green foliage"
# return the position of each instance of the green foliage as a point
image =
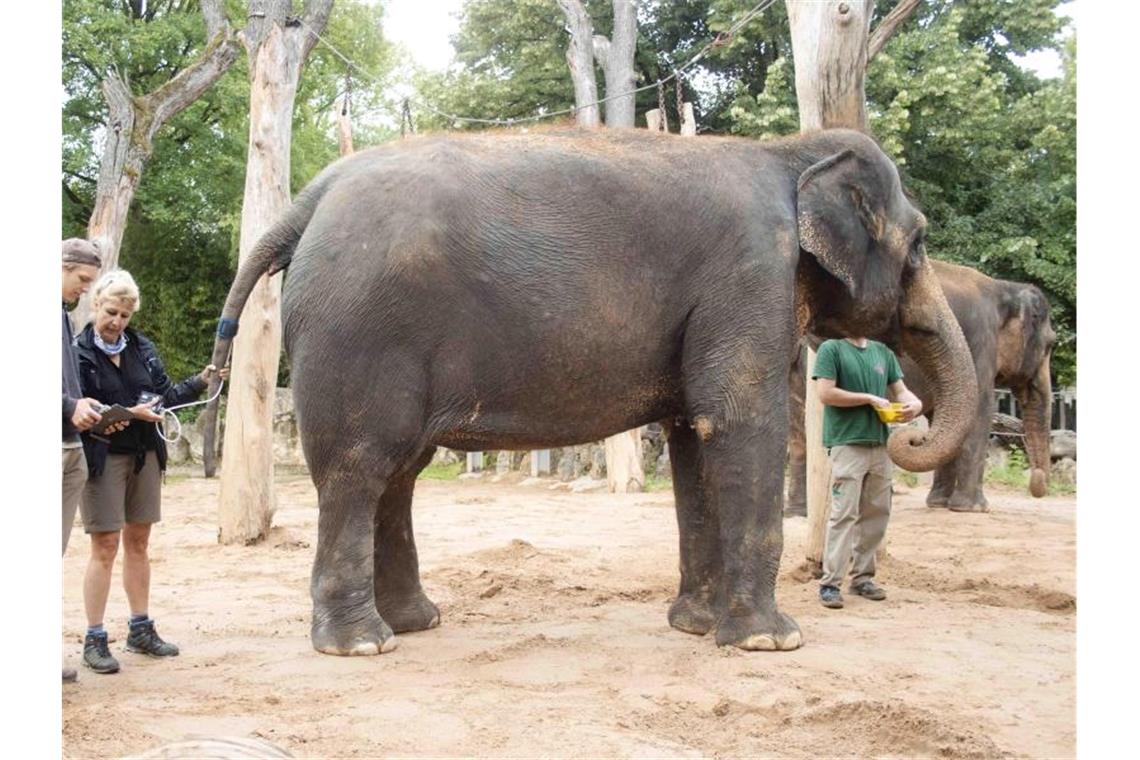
(908, 479)
(437, 471)
(182, 239)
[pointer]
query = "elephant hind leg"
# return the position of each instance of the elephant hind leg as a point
(400, 598)
(345, 620)
(694, 610)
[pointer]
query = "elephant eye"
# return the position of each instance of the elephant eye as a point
(917, 250)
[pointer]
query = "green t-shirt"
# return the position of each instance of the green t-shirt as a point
(859, 370)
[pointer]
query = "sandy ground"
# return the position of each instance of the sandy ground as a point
(554, 640)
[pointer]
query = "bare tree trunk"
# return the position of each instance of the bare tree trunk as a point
(276, 52)
(580, 59)
(616, 57)
(343, 125)
(131, 126)
(829, 42)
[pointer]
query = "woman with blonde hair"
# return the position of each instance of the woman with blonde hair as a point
(122, 498)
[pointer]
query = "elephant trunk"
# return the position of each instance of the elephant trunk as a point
(932, 337)
(1037, 402)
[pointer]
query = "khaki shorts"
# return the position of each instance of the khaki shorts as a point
(120, 495)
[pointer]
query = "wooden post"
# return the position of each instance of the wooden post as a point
(818, 492)
(343, 125)
(688, 121)
(653, 121)
(539, 462)
(623, 462)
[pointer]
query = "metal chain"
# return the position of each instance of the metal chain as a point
(679, 84)
(663, 126)
(347, 91)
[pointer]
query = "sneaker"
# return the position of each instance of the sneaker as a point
(143, 639)
(829, 596)
(868, 590)
(96, 654)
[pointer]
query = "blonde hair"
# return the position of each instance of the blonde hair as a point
(116, 285)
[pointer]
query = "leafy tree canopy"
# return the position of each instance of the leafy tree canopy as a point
(181, 242)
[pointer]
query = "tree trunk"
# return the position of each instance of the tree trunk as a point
(818, 492)
(829, 42)
(624, 473)
(580, 59)
(132, 123)
(276, 53)
(616, 57)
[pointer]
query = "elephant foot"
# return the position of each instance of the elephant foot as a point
(692, 613)
(1038, 483)
(760, 631)
(961, 502)
(937, 500)
(415, 613)
(795, 510)
(368, 636)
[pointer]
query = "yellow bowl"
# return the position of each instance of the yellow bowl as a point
(890, 414)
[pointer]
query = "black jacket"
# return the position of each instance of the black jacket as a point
(139, 370)
(71, 390)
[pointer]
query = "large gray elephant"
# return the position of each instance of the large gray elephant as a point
(522, 291)
(1006, 325)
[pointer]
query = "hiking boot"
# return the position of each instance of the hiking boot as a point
(868, 590)
(143, 639)
(829, 596)
(96, 654)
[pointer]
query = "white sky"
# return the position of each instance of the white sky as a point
(424, 27)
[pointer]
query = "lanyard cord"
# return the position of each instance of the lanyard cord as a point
(174, 423)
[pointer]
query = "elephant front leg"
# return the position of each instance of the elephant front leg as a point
(743, 473)
(345, 620)
(694, 609)
(400, 598)
(970, 464)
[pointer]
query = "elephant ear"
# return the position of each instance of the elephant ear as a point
(836, 217)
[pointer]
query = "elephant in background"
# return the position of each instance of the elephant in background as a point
(1006, 325)
(542, 289)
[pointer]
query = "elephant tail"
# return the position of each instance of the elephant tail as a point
(271, 254)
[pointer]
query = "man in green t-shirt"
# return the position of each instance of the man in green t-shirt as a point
(855, 376)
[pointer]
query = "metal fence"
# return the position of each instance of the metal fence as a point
(1064, 407)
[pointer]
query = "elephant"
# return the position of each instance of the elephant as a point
(531, 290)
(1007, 327)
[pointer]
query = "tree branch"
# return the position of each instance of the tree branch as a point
(220, 53)
(889, 25)
(315, 17)
(215, 17)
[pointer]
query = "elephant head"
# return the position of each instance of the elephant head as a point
(1025, 347)
(867, 274)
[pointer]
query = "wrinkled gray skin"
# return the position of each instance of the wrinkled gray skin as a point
(1006, 325)
(527, 291)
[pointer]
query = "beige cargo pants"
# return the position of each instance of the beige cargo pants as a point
(74, 477)
(860, 507)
